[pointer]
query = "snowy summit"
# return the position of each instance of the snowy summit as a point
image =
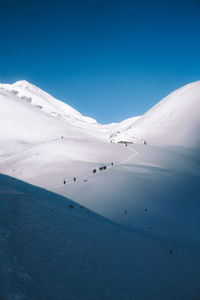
(92, 211)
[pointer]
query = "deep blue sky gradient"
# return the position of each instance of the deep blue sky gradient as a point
(108, 59)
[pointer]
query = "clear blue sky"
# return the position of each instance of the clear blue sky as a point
(108, 59)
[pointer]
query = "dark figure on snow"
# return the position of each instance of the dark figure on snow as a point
(104, 167)
(64, 181)
(111, 163)
(94, 171)
(145, 143)
(74, 179)
(61, 137)
(101, 168)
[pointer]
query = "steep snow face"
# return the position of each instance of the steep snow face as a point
(175, 120)
(45, 102)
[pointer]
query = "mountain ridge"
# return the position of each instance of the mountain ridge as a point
(174, 120)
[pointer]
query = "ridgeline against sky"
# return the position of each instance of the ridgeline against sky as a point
(108, 59)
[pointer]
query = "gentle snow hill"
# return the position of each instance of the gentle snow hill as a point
(122, 125)
(155, 193)
(175, 120)
(51, 251)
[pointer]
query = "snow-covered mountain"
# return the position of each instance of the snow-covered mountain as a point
(42, 100)
(118, 220)
(175, 120)
(29, 115)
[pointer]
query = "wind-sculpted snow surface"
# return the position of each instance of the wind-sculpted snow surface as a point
(110, 220)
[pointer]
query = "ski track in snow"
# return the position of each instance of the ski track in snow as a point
(52, 188)
(82, 179)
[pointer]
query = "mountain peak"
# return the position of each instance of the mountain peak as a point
(22, 83)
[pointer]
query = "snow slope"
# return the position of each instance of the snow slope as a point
(29, 116)
(149, 192)
(42, 100)
(175, 120)
(51, 251)
(24, 124)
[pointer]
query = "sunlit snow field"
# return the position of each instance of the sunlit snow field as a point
(72, 230)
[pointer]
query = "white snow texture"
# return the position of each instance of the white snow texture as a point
(92, 211)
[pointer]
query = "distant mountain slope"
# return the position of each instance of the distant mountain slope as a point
(175, 120)
(42, 100)
(24, 124)
(29, 116)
